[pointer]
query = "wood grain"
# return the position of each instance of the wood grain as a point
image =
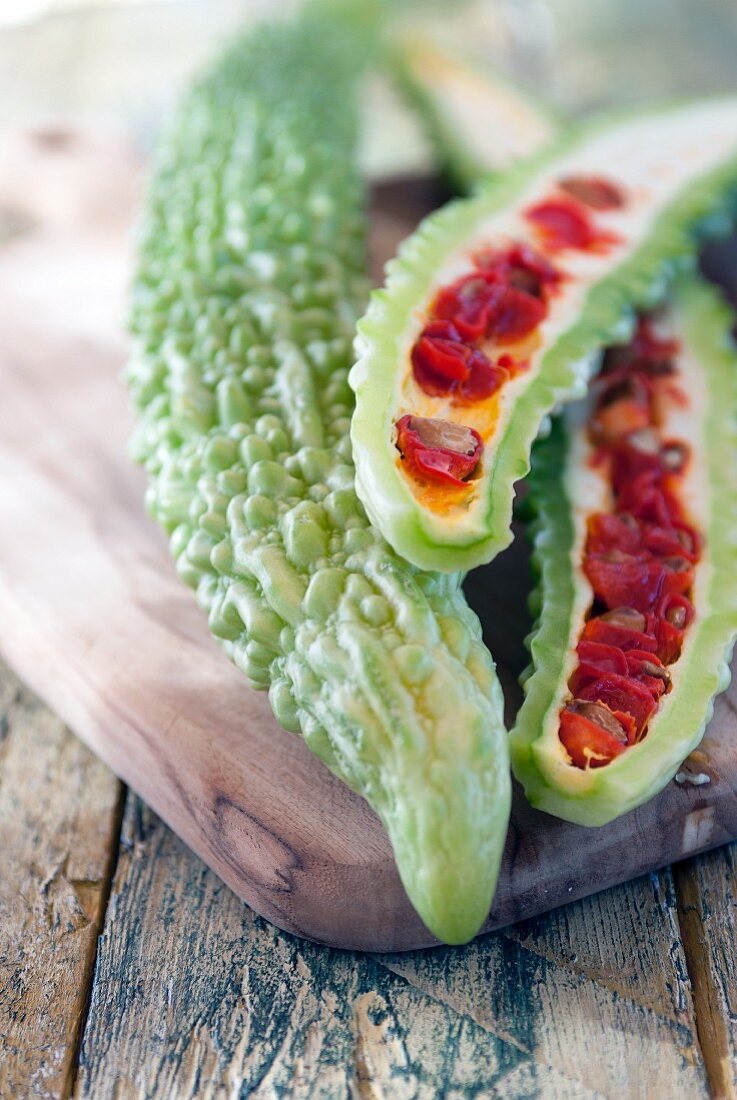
(707, 900)
(95, 619)
(196, 996)
(597, 991)
(59, 818)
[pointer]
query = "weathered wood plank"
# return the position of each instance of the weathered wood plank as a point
(627, 941)
(707, 899)
(194, 995)
(59, 820)
(597, 990)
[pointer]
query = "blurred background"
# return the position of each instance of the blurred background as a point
(124, 60)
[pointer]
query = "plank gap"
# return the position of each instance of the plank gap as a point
(711, 1027)
(89, 975)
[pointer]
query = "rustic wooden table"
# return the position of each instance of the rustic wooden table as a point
(128, 970)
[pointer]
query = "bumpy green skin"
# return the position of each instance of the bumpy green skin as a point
(599, 795)
(251, 276)
(640, 282)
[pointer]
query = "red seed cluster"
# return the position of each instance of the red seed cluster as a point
(594, 192)
(502, 300)
(565, 220)
(639, 559)
(563, 223)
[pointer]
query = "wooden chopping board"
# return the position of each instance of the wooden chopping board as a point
(94, 618)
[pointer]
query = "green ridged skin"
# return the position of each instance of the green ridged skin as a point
(250, 279)
(595, 796)
(662, 245)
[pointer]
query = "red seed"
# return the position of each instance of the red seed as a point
(613, 532)
(614, 634)
(468, 303)
(594, 661)
(562, 224)
(622, 693)
(515, 315)
(439, 361)
(442, 359)
(626, 617)
(443, 365)
(438, 450)
(593, 191)
(666, 541)
(646, 352)
(588, 744)
(676, 609)
(522, 267)
(484, 379)
(629, 580)
(648, 670)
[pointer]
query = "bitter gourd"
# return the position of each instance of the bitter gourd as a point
(477, 121)
(495, 310)
(250, 279)
(636, 548)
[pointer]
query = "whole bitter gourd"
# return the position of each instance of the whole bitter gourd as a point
(636, 551)
(250, 280)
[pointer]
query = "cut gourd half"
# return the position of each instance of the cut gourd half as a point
(478, 120)
(495, 309)
(635, 544)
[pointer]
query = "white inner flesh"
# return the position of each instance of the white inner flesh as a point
(486, 116)
(588, 488)
(652, 159)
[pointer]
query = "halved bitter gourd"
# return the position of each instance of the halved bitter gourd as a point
(251, 275)
(636, 547)
(496, 308)
(477, 120)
